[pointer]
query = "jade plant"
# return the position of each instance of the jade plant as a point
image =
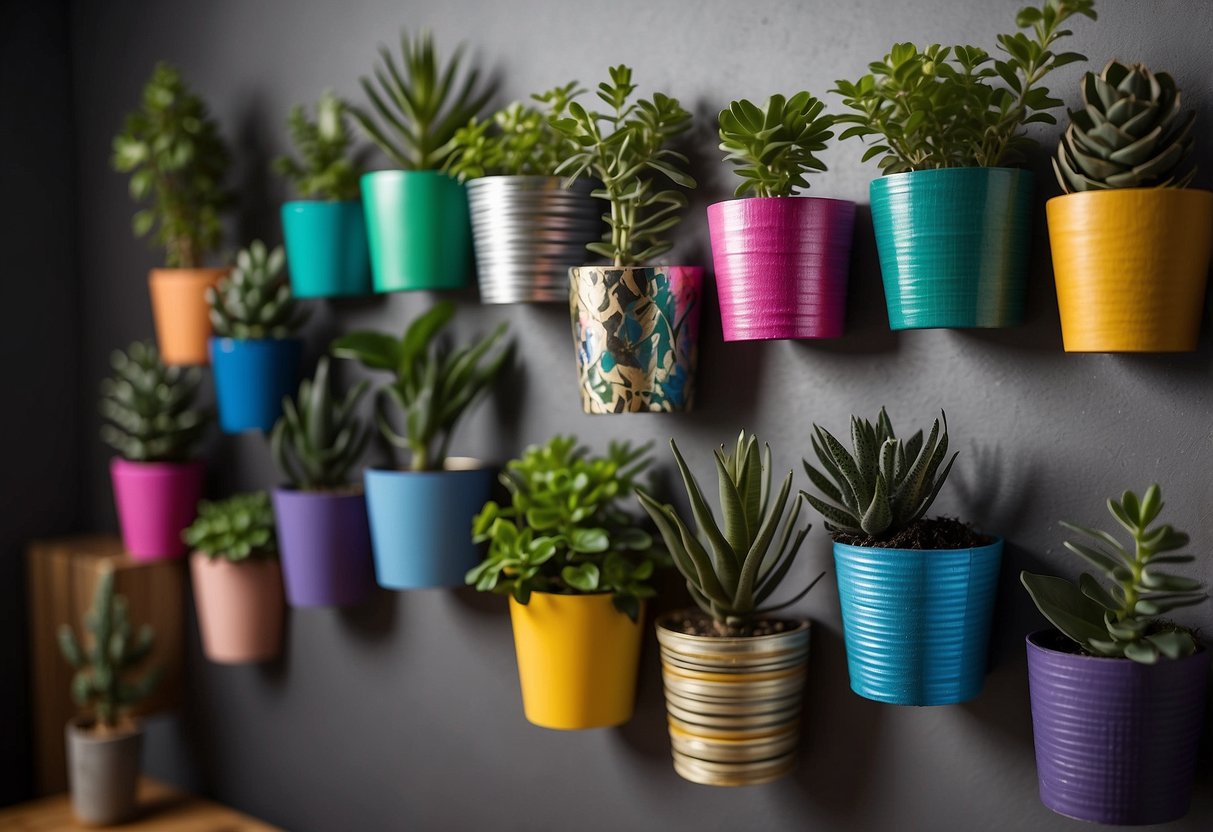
(319, 437)
(1121, 618)
(434, 385)
(1129, 133)
(151, 409)
(565, 530)
(172, 149)
(418, 103)
(733, 568)
(105, 661)
(326, 168)
(237, 529)
(958, 106)
(254, 300)
(773, 146)
(627, 150)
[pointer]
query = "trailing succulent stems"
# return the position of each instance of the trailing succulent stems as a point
(254, 300)
(325, 168)
(773, 146)
(150, 408)
(236, 529)
(320, 438)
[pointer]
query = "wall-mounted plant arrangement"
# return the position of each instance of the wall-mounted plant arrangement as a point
(952, 223)
(177, 160)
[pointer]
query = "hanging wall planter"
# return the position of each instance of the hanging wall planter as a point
(180, 312)
(326, 249)
(251, 377)
(417, 228)
(155, 502)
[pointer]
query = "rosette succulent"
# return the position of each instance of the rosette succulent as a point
(151, 408)
(236, 529)
(254, 300)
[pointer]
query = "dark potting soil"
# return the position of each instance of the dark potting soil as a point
(932, 533)
(698, 624)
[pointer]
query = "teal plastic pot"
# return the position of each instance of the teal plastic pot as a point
(954, 246)
(916, 622)
(326, 249)
(418, 229)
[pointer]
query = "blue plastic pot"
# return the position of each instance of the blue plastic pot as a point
(917, 622)
(954, 246)
(326, 249)
(421, 523)
(251, 377)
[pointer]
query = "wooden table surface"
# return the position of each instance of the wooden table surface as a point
(162, 809)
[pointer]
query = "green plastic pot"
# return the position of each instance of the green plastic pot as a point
(418, 230)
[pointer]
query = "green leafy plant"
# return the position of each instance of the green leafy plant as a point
(326, 168)
(434, 385)
(884, 484)
(627, 150)
(255, 300)
(151, 408)
(1121, 619)
(106, 659)
(773, 145)
(319, 438)
(957, 106)
(732, 570)
(419, 103)
(1129, 133)
(177, 160)
(564, 530)
(236, 529)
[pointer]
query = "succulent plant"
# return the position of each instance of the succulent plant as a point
(732, 571)
(885, 484)
(417, 101)
(325, 169)
(104, 662)
(236, 529)
(318, 438)
(1130, 133)
(255, 300)
(151, 407)
(773, 145)
(434, 384)
(1121, 619)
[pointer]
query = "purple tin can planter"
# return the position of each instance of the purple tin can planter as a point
(781, 266)
(324, 541)
(1116, 740)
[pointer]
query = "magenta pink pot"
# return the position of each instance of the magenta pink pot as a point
(155, 502)
(781, 266)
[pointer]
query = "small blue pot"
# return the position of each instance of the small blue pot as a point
(326, 249)
(251, 377)
(421, 524)
(917, 622)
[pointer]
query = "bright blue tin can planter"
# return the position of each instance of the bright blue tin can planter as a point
(251, 377)
(421, 523)
(954, 246)
(326, 249)
(917, 622)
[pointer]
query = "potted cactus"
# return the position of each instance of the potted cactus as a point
(255, 349)
(324, 230)
(1131, 242)
(104, 743)
(177, 160)
(323, 536)
(527, 226)
(733, 672)
(1118, 693)
(917, 593)
(417, 216)
(781, 260)
(420, 516)
(237, 580)
(635, 327)
(952, 220)
(155, 426)
(578, 569)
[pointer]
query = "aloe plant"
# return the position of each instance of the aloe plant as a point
(319, 438)
(151, 409)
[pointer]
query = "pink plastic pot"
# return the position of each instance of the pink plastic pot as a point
(155, 502)
(240, 608)
(781, 266)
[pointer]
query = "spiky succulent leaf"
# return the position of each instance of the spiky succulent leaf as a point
(255, 300)
(150, 408)
(318, 438)
(325, 167)
(235, 529)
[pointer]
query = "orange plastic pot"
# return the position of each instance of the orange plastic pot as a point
(1131, 267)
(240, 608)
(181, 314)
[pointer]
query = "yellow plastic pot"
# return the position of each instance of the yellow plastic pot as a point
(1131, 267)
(577, 660)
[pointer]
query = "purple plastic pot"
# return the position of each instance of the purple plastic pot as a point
(1116, 740)
(324, 542)
(781, 266)
(155, 502)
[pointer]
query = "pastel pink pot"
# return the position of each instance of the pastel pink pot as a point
(781, 266)
(155, 502)
(240, 608)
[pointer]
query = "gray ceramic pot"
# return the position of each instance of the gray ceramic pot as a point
(103, 771)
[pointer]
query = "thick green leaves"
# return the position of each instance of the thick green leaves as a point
(773, 146)
(1069, 610)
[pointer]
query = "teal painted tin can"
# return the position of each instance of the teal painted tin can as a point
(326, 249)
